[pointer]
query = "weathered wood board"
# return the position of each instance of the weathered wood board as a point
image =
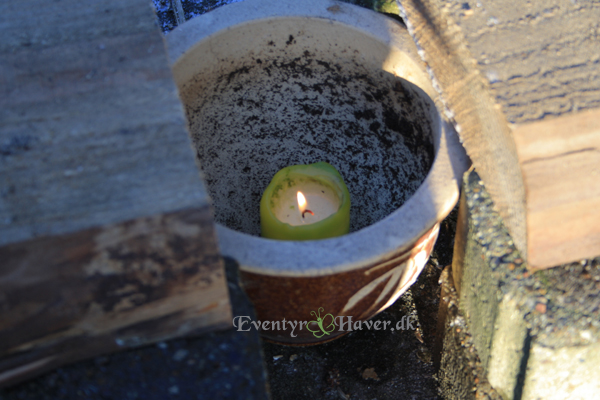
(106, 234)
(562, 175)
(73, 296)
(499, 64)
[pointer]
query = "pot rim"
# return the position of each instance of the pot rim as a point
(394, 234)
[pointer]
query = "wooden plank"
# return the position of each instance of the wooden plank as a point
(562, 176)
(480, 123)
(106, 234)
(92, 131)
(73, 296)
(497, 64)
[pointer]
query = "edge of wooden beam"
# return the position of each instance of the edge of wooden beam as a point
(479, 121)
(74, 296)
(560, 160)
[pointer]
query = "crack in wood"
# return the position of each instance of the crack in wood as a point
(568, 153)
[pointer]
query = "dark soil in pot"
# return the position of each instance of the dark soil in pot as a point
(250, 121)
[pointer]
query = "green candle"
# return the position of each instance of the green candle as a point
(305, 202)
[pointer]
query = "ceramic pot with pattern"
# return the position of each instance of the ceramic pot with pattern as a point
(272, 83)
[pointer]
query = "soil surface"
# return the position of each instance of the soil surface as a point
(299, 107)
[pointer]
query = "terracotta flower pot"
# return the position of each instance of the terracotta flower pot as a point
(267, 84)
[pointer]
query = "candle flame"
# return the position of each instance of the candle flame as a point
(301, 202)
(302, 205)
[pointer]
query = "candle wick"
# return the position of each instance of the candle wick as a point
(307, 211)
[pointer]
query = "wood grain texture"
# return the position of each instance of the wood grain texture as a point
(498, 63)
(541, 58)
(106, 234)
(465, 92)
(560, 160)
(68, 297)
(92, 131)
